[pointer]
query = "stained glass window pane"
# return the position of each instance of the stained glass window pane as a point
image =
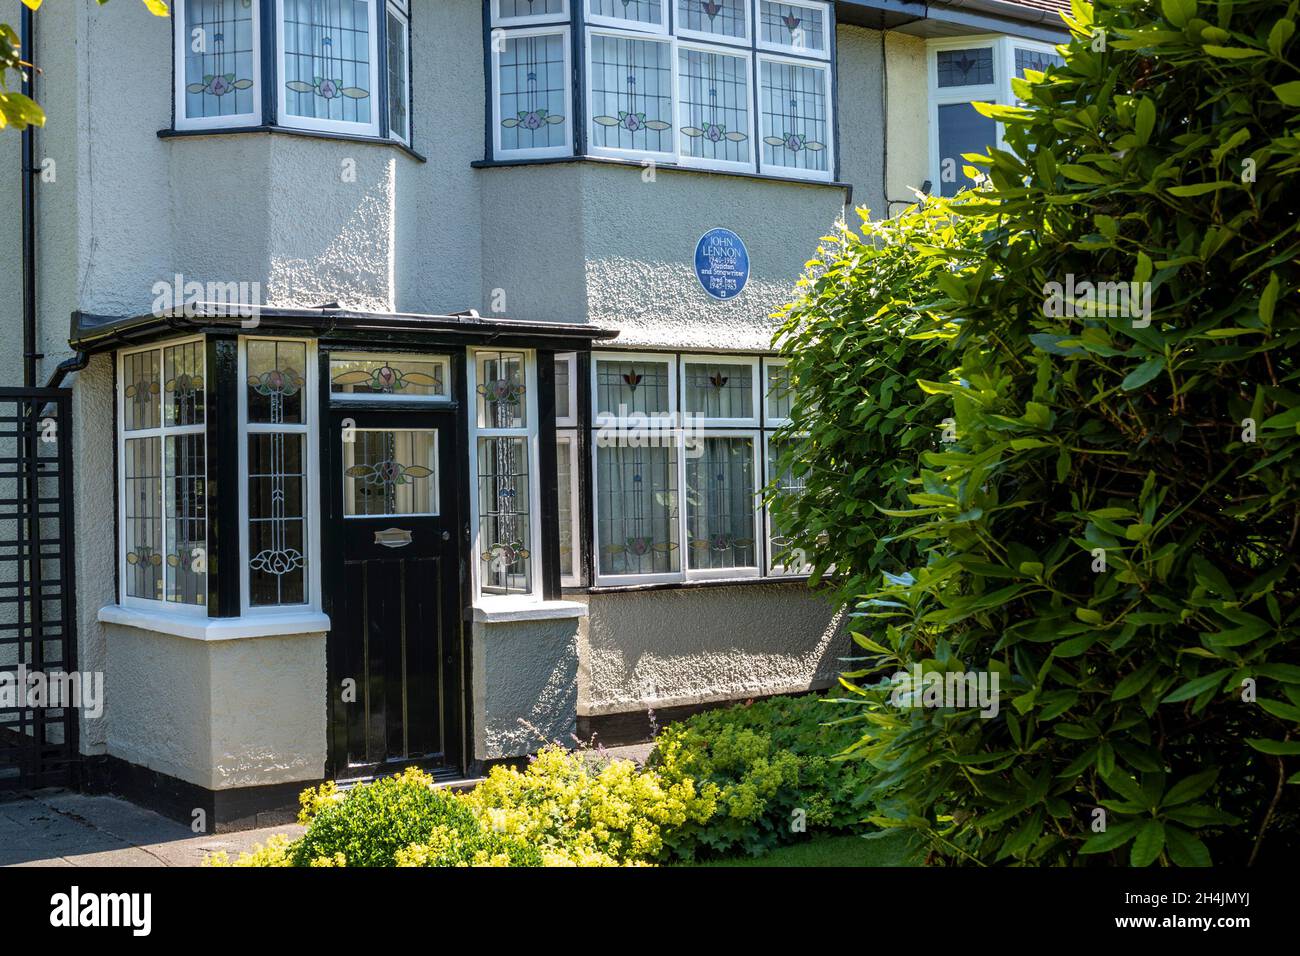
(141, 390)
(398, 82)
(399, 376)
(713, 89)
(512, 9)
(501, 391)
(719, 389)
(183, 384)
(390, 472)
(638, 11)
(220, 50)
(725, 18)
(792, 25)
(631, 93)
(327, 65)
(1036, 60)
(961, 130)
(636, 529)
(565, 449)
(973, 67)
(720, 501)
(504, 533)
(533, 86)
(276, 523)
(780, 398)
(186, 510)
(563, 408)
(142, 506)
(787, 483)
(794, 115)
(275, 382)
(631, 386)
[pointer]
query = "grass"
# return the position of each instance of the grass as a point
(895, 849)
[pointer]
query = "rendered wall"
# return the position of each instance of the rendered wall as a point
(525, 690)
(219, 714)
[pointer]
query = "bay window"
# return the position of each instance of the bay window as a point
(340, 66)
(966, 71)
(732, 85)
(678, 451)
(567, 467)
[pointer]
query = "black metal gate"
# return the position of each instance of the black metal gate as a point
(38, 634)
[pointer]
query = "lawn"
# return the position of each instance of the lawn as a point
(845, 851)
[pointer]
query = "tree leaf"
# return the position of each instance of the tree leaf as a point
(1143, 374)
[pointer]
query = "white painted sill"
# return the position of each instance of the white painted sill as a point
(196, 627)
(503, 610)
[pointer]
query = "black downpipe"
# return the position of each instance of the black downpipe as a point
(27, 41)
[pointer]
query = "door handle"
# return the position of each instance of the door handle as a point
(446, 536)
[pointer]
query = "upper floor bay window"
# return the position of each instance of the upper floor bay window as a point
(340, 66)
(963, 72)
(738, 85)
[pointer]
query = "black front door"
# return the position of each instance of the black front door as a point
(391, 588)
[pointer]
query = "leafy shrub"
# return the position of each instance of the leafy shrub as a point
(761, 765)
(588, 812)
(368, 824)
(1113, 529)
(275, 852)
(860, 341)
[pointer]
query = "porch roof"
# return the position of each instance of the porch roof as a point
(96, 333)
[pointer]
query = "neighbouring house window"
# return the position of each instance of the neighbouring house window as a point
(964, 72)
(330, 58)
(275, 407)
(504, 437)
(162, 452)
(218, 60)
(677, 490)
(735, 85)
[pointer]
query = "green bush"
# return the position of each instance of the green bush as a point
(859, 341)
(1113, 529)
(768, 771)
(368, 824)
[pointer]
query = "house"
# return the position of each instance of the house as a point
(418, 383)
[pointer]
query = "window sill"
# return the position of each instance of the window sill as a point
(695, 585)
(196, 627)
(664, 167)
(293, 131)
(504, 610)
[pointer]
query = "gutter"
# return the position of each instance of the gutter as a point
(1011, 11)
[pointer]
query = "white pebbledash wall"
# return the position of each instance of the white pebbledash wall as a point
(567, 242)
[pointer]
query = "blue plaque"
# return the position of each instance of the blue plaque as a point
(721, 263)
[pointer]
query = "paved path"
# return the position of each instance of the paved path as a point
(62, 828)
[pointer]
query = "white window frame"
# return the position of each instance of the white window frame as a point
(498, 20)
(792, 172)
(600, 419)
(770, 47)
(435, 491)
(679, 110)
(574, 579)
(664, 38)
(756, 380)
(999, 91)
(535, 152)
(162, 432)
(570, 420)
(285, 118)
(755, 436)
(311, 469)
(180, 47)
(400, 12)
(634, 26)
(741, 42)
(771, 421)
(442, 360)
(773, 568)
(529, 433)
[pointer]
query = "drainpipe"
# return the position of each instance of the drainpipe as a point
(28, 45)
